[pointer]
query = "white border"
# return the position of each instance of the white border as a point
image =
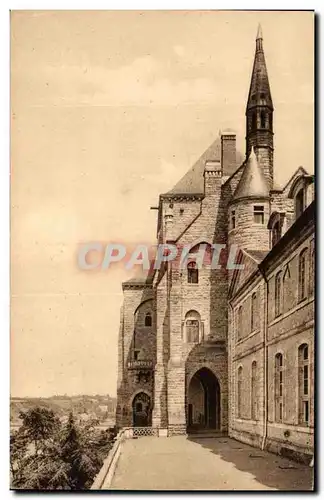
(4, 170)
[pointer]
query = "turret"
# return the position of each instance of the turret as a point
(249, 208)
(259, 113)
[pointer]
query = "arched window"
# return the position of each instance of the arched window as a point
(312, 271)
(254, 121)
(263, 119)
(239, 391)
(192, 273)
(276, 233)
(192, 323)
(278, 298)
(254, 396)
(148, 319)
(299, 203)
(302, 290)
(239, 323)
(270, 121)
(303, 383)
(278, 387)
(253, 311)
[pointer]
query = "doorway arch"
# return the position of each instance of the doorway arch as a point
(203, 401)
(142, 412)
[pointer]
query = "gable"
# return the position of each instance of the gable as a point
(193, 181)
(241, 276)
(300, 172)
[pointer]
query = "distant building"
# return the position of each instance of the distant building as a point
(232, 352)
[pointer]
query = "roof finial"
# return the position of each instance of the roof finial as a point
(259, 33)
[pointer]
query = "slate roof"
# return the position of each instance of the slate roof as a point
(259, 93)
(257, 255)
(192, 183)
(253, 183)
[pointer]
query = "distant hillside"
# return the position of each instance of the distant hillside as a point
(98, 406)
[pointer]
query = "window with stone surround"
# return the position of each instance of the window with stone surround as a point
(239, 323)
(254, 312)
(258, 213)
(302, 289)
(254, 395)
(192, 325)
(276, 233)
(148, 319)
(193, 276)
(299, 203)
(303, 384)
(239, 391)
(278, 294)
(312, 269)
(279, 387)
(263, 119)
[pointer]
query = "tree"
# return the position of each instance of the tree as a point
(82, 460)
(46, 456)
(39, 425)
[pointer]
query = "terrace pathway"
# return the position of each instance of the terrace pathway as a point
(180, 463)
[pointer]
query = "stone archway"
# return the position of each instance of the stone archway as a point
(142, 411)
(203, 402)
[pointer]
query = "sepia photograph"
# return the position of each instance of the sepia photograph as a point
(162, 250)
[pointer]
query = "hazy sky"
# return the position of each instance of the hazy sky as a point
(108, 110)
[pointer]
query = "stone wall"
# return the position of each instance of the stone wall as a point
(286, 331)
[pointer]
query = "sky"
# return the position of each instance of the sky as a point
(109, 109)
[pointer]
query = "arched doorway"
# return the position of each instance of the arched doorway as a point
(203, 402)
(142, 413)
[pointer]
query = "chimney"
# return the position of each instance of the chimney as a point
(228, 152)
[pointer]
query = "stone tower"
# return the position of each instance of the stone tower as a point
(259, 113)
(249, 209)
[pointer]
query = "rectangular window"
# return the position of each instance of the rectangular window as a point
(305, 388)
(306, 412)
(303, 383)
(258, 214)
(278, 387)
(280, 411)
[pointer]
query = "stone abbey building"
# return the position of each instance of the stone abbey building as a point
(205, 349)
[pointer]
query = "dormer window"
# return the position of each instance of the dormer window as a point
(299, 203)
(258, 214)
(276, 233)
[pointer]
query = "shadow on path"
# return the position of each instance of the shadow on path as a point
(267, 468)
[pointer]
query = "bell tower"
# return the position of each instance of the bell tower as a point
(259, 114)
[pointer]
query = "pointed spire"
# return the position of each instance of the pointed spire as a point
(259, 93)
(259, 33)
(253, 183)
